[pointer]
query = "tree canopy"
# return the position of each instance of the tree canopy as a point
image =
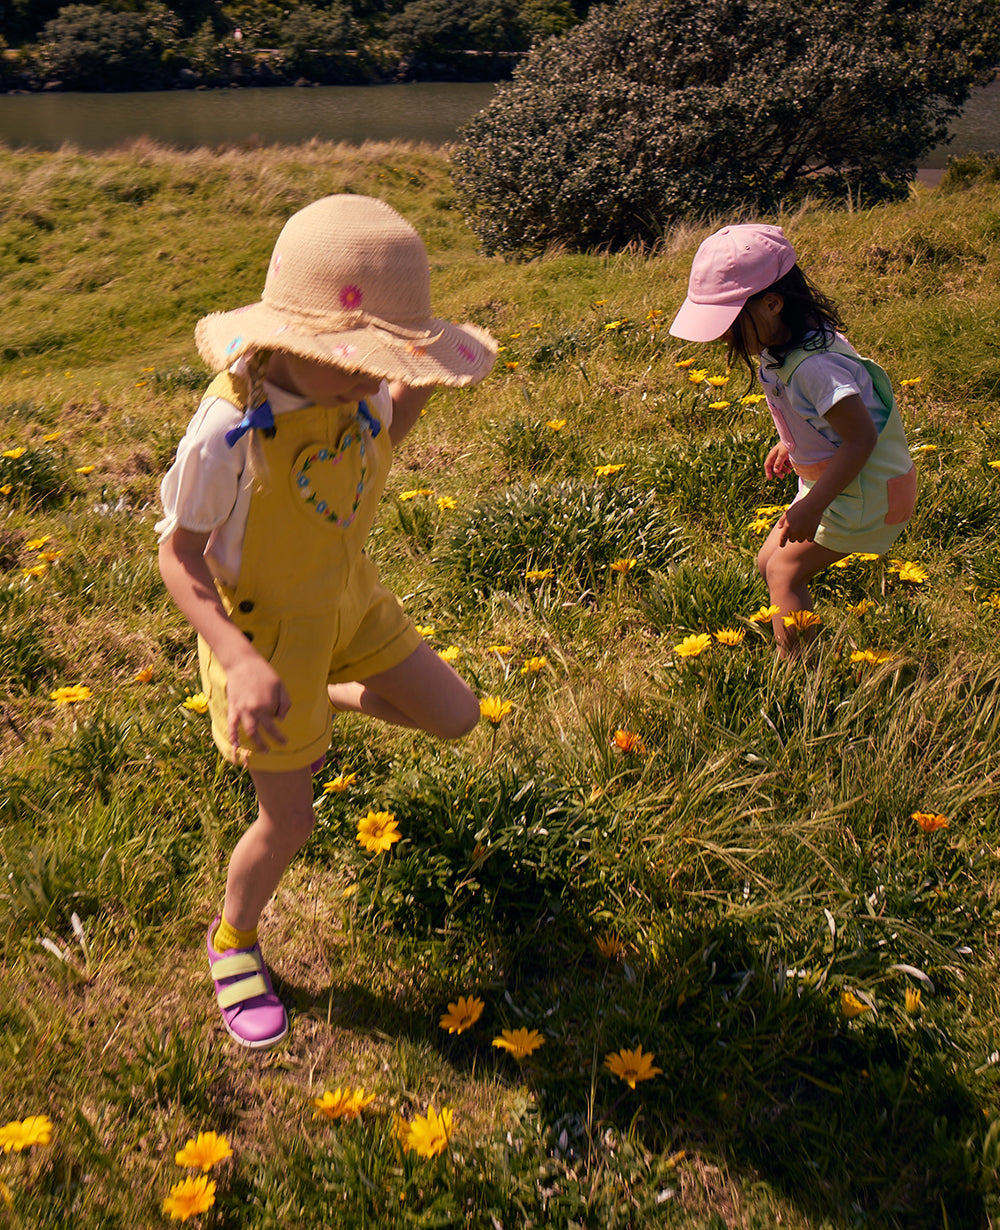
(656, 110)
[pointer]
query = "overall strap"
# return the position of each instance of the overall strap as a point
(880, 379)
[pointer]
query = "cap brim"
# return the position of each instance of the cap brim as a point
(442, 352)
(704, 322)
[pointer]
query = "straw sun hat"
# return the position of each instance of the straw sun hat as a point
(349, 284)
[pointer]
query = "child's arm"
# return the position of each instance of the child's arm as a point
(254, 689)
(850, 419)
(407, 402)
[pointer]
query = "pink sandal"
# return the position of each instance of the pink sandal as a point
(251, 1012)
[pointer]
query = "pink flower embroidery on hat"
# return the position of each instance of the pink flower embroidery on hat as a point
(276, 262)
(466, 352)
(350, 297)
(345, 350)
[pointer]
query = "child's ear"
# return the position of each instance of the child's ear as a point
(773, 303)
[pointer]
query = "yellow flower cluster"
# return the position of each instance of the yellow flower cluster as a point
(195, 1195)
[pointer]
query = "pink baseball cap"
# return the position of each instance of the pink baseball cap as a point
(729, 267)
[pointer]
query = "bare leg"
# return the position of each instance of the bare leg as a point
(788, 570)
(421, 692)
(284, 821)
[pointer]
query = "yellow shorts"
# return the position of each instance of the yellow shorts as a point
(309, 652)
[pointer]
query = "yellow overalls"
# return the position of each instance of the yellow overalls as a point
(308, 596)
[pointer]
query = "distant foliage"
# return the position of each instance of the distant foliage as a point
(655, 110)
(87, 47)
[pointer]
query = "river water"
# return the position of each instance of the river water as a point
(431, 112)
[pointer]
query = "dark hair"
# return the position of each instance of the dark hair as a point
(807, 313)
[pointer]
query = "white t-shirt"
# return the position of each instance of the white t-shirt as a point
(208, 487)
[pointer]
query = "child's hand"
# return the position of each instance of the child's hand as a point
(257, 701)
(776, 464)
(799, 522)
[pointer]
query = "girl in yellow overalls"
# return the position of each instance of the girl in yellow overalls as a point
(266, 511)
(837, 421)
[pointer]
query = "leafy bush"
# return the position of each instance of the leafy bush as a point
(577, 529)
(647, 113)
(719, 481)
(34, 474)
(90, 48)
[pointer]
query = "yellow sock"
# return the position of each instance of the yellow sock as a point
(226, 936)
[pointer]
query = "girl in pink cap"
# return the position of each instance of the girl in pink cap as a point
(838, 425)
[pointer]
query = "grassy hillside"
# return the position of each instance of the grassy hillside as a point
(713, 858)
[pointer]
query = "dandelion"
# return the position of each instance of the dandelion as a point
(426, 630)
(189, 1198)
(71, 694)
(912, 1001)
(924, 448)
(764, 614)
(36, 544)
(801, 620)
(851, 1006)
(609, 946)
(204, 1152)
(615, 324)
(378, 831)
(718, 405)
(844, 562)
(446, 503)
(717, 381)
(50, 557)
(340, 783)
(462, 1015)
(538, 574)
(343, 1103)
(866, 556)
(145, 674)
(631, 1066)
(697, 374)
(412, 495)
(692, 646)
(519, 1042)
(451, 654)
(752, 399)
(623, 565)
(427, 1135)
(685, 363)
(500, 649)
(862, 607)
(910, 382)
(930, 821)
(759, 525)
(994, 465)
(6, 489)
(770, 510)
(556, 424)
(608, 470)
(913, 573)
(85, 469)
(629, 742)
(494, 710)
(533, 665)
(513, 365)
(197, 702)
(15, 454)
(653, 313)
(730, 636)
(36, 570)
(52, 437)
(26, 1133)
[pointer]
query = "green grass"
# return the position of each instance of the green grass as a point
(709, 896)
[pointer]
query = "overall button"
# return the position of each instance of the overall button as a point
(246, 606)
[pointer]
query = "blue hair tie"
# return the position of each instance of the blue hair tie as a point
(262, 418)
(366, 416)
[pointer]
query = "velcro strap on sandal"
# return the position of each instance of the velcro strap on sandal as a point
(238, 963)
(237, 992)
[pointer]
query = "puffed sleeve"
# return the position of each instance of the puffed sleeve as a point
(199, 490)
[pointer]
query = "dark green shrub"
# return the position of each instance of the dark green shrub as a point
(696, 597)
(969, 169)
(87, 47)
(647, 113)
(577, 529)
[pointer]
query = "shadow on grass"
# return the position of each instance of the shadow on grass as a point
(861, 1122)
